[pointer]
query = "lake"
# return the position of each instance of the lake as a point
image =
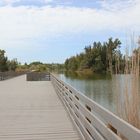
(101, 88)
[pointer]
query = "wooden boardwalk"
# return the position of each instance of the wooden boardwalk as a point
(33, 111)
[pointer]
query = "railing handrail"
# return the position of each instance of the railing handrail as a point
(10, 74)
(94, 120)
(38, 76)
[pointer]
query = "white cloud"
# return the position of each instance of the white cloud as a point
(24, 23)
(10, 1)
(48, 1)
(13, 1)
(115, 5)
(22, 2)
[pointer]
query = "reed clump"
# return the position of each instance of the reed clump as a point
(128, 103)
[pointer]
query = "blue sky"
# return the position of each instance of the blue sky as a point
(53, 30)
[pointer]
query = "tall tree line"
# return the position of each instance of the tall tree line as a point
(98, 57)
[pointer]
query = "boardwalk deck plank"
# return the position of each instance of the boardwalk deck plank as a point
(33, 111)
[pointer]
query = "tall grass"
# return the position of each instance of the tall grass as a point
(127, 85)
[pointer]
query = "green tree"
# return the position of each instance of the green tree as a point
(97, 57)
(3, 61)
(12, 65)
(111, 46)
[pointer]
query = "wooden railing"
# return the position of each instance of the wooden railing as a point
(38, 76)
(10, 74)
(93, 121)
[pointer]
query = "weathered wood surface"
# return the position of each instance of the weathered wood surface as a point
(33, 111)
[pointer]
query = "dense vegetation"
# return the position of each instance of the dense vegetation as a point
(14, 65)
(40, 67)
(98, 57)
(5, 64)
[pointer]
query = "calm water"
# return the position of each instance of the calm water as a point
(100, 88)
